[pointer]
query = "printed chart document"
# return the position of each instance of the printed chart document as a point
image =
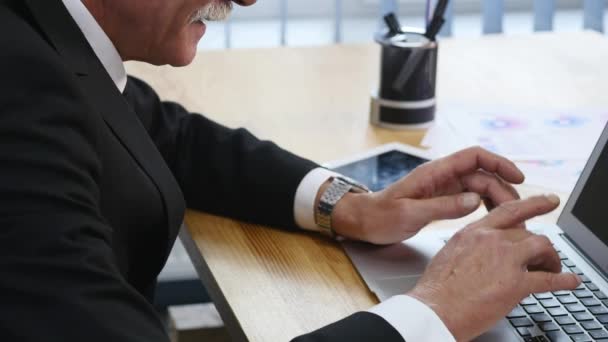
(550, 146)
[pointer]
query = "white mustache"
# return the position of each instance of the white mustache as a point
(214, 11)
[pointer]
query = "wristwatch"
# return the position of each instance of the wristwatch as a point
(339, 187)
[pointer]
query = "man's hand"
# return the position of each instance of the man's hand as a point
(483, 272)
(446, 188)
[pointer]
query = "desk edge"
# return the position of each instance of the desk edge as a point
(206, 276)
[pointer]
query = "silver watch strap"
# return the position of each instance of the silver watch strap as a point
(356, 185)
(339, 187)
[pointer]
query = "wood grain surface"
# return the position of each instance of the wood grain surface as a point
(271, 285)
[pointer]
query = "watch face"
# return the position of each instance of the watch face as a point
(380, 171)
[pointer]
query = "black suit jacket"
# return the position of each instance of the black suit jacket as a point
(94, 184)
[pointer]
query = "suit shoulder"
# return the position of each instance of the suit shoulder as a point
(38, 92)
(29, 64)
(23, 44)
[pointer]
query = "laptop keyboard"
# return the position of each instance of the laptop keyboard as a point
(578, 315)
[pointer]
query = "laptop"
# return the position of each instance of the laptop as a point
(580, 237)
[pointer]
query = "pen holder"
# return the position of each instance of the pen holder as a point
(406, 95)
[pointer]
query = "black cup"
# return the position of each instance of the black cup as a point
(408, 74)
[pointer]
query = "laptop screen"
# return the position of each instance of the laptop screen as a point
(584, 219)
(590, 208)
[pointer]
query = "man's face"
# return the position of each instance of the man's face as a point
(159, 31)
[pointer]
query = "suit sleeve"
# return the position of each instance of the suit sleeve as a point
(362, 326)
(58, 277)
(224, 171)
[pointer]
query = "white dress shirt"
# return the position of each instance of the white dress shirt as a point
(412, 319)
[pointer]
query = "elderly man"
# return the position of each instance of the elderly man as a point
(96, 172)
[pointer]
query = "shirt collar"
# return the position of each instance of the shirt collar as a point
(99, 41)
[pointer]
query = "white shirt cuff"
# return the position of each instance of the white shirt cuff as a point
(413, 319)
(306, 194)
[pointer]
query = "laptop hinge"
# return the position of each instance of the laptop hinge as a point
(584, 256)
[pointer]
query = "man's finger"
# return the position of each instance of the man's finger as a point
(514, 213)
(538, 282)
(445, 207)
(491, 204)
(537, 252)
(490, 186)
(468, 161)
(444, 176)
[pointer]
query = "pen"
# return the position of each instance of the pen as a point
(434, 30)
(427, 13)
(393, 24)
(437, 21)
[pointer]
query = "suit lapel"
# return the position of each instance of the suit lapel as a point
(70, 43)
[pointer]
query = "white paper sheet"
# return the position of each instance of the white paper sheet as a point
(550, 147)
(442, 140)
(529, 134)
(557, 175)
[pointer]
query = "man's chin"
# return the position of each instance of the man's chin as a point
(179, 51)
(197, 30)
(176, 57)
(185, 51)
(183, 59)
(195, 33)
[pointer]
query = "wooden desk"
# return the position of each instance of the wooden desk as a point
(271, 285)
